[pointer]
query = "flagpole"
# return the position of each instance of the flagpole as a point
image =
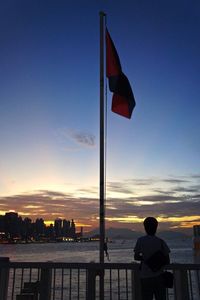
(101, 162)
(102, 147)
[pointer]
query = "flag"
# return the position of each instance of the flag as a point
(123, 101)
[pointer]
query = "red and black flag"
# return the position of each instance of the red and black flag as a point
(123, 101)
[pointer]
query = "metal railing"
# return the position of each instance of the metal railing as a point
(63, 281)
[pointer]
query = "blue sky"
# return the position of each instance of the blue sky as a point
(49, 116)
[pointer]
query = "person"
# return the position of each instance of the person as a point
(151, 281)
(105, 246)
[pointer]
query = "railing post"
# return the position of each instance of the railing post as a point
(4, 277)
(45, 284)
(197, 272)
(181, 285)
(135, 285)
(91, 284)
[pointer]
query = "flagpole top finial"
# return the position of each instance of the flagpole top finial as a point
(102, 13)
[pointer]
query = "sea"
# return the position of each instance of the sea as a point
(120, 251)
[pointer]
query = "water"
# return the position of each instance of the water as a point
(119, 251)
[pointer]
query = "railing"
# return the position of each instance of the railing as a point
(63, 281)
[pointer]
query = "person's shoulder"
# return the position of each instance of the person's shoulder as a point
(161, 240)
(142, 238)
(164, 244)
(139, 243)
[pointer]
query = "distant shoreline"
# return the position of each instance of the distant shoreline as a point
(17, 242)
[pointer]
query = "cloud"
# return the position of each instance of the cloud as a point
(92, 190)
(169, 199)
(138, 182)
(164, 192)
(178, 214)
(167, 187)
(49, 205)
(83, 138)
(197, 196)
(195, 176)
(52, 193)
(79, 137)
(119, 187)
(187, 190)
(176, 204)
(173, 180)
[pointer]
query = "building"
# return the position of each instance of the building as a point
(73, 229)
(58, 227)
(66, 228)
(12, 226)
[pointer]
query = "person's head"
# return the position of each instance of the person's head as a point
(150, 225)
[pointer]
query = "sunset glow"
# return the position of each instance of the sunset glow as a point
(49, 116)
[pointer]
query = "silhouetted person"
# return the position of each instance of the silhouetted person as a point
(105, 246)
(146, 246)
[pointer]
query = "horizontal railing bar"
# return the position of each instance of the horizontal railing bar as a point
(183, 267)
(60, 265)
(94, 266)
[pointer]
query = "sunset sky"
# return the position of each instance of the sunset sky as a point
(49, 112)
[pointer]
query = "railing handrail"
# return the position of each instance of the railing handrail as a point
(72, 265)
(93, 265)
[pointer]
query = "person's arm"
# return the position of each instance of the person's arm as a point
(167, 259)
(138, 256)
(166, 251)
(137, 251)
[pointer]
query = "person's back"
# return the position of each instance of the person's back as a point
(146, 246)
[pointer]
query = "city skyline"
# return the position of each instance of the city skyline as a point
(49, 117)
(14, 228)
